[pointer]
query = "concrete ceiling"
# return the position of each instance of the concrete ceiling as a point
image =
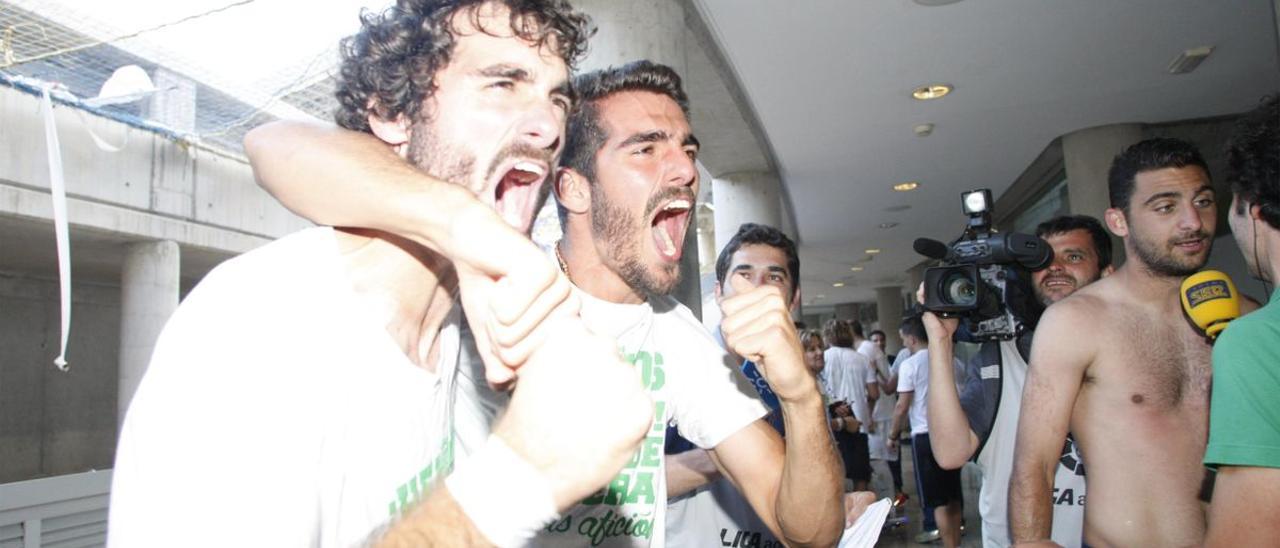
(831, 81)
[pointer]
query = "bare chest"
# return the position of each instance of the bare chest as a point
(1159, 365)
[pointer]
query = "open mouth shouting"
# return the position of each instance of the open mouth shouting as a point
(668, 226)
(516, 183)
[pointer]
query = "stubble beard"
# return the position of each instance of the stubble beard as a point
(615, 228)
(1163, 262)
(433, 156)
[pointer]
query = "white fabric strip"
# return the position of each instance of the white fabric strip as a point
(58, 190)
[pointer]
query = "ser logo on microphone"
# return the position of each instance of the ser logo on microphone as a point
(1208, 291)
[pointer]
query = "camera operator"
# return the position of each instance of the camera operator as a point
(981, 420)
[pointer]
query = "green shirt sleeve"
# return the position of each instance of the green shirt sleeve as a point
(1244, 416)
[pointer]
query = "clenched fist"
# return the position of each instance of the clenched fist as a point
(578, 412)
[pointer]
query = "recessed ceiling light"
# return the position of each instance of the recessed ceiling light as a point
(838, 284)
(931, 91)
(906, 187)
(872, 251)
(888, 225)
(856, 269)
(1188, 60)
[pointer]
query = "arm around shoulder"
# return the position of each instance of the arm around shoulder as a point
(338, 177)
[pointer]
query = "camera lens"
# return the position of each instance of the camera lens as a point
(958, 289)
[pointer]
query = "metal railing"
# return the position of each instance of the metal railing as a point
(62, 511)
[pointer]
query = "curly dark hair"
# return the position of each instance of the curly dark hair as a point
(1066, 223)
(388, 68)
(1253, 160)
(752, 233)
(1148, 155)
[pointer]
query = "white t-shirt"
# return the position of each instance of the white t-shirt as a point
(913, 376)
(848, 374)
(277, 411)
(883, 410)
(694, 383)
(996, 460)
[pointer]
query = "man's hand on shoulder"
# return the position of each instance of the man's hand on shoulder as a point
(578, 411)
(757, 325)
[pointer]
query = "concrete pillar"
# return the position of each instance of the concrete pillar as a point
(633, 30)
(148, 296)
(889, 311)
(745, 197)
(1087, 156)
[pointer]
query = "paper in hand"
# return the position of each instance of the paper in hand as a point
(866, 530)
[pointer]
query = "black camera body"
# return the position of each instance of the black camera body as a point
(979, 271)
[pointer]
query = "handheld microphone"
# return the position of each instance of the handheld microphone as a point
(1210, 300)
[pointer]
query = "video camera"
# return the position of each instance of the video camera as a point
(976, 280)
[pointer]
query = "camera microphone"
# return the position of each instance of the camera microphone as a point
(1210, 300)
(932, 249)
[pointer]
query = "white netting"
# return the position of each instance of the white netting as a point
(219, 67)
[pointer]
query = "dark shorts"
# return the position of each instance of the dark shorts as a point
(937, 486)
(856, 455)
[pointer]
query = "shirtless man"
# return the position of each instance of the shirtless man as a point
(1118, 366)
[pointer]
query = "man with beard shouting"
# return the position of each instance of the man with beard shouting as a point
(625, 191)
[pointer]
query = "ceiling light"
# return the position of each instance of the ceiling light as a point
(906, 187)
(923, 130)
(1188, 60)
(872, 251)
(931, 91)
(838, 284)
(820, 297)
(856, 269)
(888, 225)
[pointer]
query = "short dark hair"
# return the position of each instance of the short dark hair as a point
(876, 332)
(837, 333)
(1148, 155)
(389, 67)
(584, 134)
(1253, 159)
(856, 326)
(758, 234)
(913, 324)
(1066, 223)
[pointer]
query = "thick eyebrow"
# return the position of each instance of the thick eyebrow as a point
(646, 137)
(655, 136)
(505, 70)
(1176, 194)
(771, 268)
(1079, 250)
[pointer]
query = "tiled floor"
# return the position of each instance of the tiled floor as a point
(903, 536)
